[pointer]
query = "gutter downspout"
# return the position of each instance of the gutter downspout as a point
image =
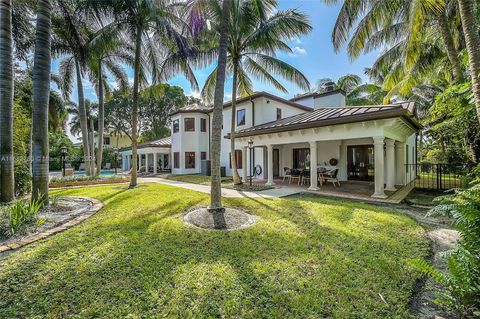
(209, 136)
(253, 111)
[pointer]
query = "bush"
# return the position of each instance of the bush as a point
(462, 283)
(18, 215)
(23, 179)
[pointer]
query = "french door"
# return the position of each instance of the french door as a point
(360, 164)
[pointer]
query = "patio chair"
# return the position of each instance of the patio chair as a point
(81, 167)
(108, 166)
(305, 177)
(287, 174)
(332, 177)
(295, 176)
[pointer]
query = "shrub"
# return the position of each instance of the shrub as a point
(20, 214)
(23, 179)
(462, 283)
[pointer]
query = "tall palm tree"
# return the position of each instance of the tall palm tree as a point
(216, 187)
(156, 30)
(472, 40)
(255, 34)
(7, 192)
(71, 36)
(41, 89)
(57, 113)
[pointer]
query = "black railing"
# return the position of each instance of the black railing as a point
(437, 176)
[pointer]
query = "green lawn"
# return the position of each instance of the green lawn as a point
(307, 257)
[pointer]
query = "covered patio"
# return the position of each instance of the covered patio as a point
(153, 157)
(365, 148)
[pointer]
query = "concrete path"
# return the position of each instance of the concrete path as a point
(226, 192)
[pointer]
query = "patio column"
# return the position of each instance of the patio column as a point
(342, 162)
(390, 159)
(244, 164)
(313, 166)
(400, 163)
(378, 142)
(146, 163)
(155, 161)
(270, 165)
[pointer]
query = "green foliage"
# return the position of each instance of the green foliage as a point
(19, 215)
(56, 141)
(307, 257)
(155, 104)
(462, 283)
(23, 178)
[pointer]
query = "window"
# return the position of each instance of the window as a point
(176, 160)
(203, 156)
(203, 125)
(189, 159)
(238, 158)
(279, 114)
(189, 124)
(106, 140)
(241, 117)
(176, 126)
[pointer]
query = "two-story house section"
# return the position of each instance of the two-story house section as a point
(366, 143)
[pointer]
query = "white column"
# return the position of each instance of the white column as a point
(400, 163)
(342, 162)
(313, 166)
(270, 164)
(390, 159)
(244, 164)
(379, 167)
(155, 161)
(146, 163)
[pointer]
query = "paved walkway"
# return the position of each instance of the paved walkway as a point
(226, 192)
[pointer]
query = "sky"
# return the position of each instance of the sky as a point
(313, 55)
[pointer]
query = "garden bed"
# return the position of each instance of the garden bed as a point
(85, 181)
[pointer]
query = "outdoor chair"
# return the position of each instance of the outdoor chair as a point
(305, 177)
(287, 174)
(108, 166)
(295, 176)
(81, 167)
(332, 177)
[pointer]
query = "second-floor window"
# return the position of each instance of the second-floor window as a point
(189, 124)
(203, 125)
(176, 126)
(279, 114)
(106, 140)
(241, 117)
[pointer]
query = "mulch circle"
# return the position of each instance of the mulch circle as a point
(230, 219)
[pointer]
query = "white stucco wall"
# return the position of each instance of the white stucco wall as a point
(332, 100)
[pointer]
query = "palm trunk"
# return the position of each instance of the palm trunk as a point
(472, 41)
(216, 188)
(233, 160)
(92, 147)
(7, 188)
(101, 118)
(452, 52)
(82, 115)
(41, 94)
(136, 80)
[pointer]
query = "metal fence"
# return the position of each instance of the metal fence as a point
(437, 176)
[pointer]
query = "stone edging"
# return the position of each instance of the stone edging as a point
(97, 205)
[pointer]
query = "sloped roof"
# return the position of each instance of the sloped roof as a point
(334, 115)
(316, 95)
(163, 142)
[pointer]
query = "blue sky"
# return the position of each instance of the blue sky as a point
(314, 54)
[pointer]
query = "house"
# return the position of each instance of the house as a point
(113, 139)
(366, 143)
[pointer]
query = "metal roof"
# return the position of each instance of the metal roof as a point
(163, 142)
(192, 108)
(332, 116)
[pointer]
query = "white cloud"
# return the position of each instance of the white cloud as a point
(298, 51)
(298, 41)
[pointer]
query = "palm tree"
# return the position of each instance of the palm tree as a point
(216, 187)
(7, 192)
(41, 89)
(156, 31)
(472, 41)
(71, 36)
(57, 113)
(415, 34)
(255, 34)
